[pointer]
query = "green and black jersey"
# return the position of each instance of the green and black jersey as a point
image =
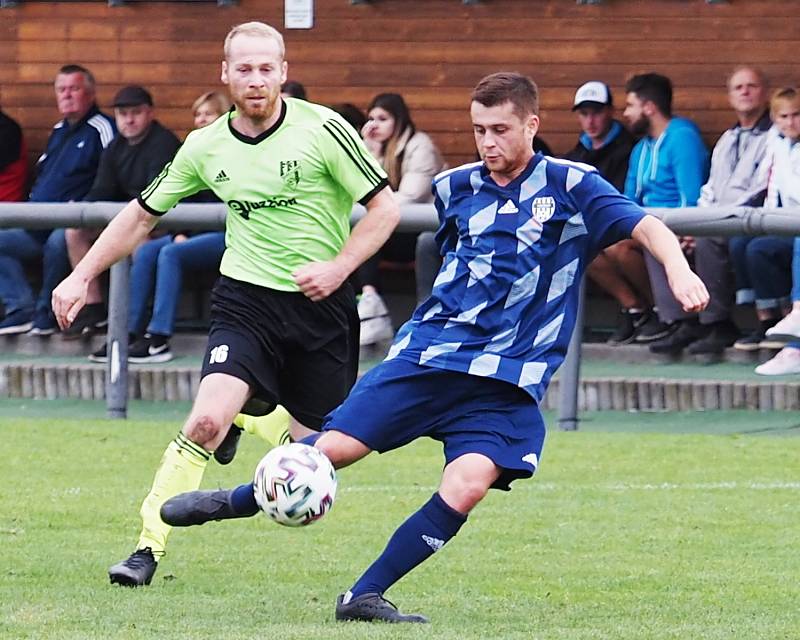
(289, 191)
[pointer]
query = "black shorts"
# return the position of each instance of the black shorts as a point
(290, 350)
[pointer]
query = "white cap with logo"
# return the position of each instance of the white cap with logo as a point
(594, 92)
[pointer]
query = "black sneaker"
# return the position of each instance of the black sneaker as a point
(226, 450)
(751, 342)
(373, 607)
(101, 355)
(653, 329)
(90, 320)
(720, 336)
(136, 571)
(198, 507)
(150, 349)
(688, 331)
(625, 333)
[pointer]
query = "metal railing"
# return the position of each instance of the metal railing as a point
(712, 221)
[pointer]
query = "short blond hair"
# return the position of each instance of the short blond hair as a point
(218, 101)
(787, 95)
(254, 29)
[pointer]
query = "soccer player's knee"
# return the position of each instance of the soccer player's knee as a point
(203, 429)
(340, 449)
(462, 493)
(471, 493)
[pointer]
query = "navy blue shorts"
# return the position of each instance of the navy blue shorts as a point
(399, 401)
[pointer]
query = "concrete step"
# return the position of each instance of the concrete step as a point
(194, 344)
(52, 377)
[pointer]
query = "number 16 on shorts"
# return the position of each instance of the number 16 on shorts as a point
(218, 354)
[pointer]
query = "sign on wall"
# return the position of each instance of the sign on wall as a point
(298, 14)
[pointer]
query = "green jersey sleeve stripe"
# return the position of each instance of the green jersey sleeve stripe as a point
(383, 183)
(360, 151)
(148, 208)
(350, 148)
(148, 190)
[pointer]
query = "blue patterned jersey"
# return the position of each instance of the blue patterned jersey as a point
(504, 302)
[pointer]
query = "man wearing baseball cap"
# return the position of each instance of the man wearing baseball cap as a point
(128, 165)
(620, 269)
(603, 143)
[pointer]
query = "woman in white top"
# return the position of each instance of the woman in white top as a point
(411, 160)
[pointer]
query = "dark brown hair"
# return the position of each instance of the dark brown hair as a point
(506, 86)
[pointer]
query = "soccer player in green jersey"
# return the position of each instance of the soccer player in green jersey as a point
(284, 326)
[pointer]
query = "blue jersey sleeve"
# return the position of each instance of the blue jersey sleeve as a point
(608, 215)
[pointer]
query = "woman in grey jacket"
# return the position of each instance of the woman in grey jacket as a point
(411, 160)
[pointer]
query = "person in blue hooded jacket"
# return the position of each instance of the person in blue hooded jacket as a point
(667, 168)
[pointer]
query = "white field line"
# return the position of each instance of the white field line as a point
(617, 487)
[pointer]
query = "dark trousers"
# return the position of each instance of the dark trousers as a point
(712, 265)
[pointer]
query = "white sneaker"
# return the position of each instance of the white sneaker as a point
(376, 326)
(786, 361)
(786, 329)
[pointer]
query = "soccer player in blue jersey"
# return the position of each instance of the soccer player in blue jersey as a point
(470, 367)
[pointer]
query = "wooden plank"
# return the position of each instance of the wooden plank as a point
(431, 51)
(649, 9)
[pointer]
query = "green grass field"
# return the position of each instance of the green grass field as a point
(625, 533)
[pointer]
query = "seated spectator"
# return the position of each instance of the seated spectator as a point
(13, 161)
(208, 107)
(350, 112)
(159, 264)
(411, 160)
(738, 177)
(784, 191)
(64, 173)
(620, 269)
(763, 264)
(293, 89)
(667, 168)
(127, 166)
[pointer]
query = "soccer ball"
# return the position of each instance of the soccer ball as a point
(295, 484)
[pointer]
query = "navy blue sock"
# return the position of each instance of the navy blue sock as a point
(310, 440)
(418, 538)
(243, 500)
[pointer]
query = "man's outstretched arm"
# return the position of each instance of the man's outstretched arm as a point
(687, 288)
(122, 235)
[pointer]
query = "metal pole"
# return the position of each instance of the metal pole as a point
(571, 371)
(117, 342)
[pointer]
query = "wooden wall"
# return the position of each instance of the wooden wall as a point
(431, 51)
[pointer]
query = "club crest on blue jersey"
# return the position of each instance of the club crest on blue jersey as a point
(543, 208)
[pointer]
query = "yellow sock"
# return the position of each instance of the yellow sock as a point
(272, 428)
(181, 469)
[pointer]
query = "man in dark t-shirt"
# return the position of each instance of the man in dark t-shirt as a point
(128, 165)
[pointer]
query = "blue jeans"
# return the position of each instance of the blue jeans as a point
(796, 271)
(158, 265)
(763, 269)
(21, 245)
